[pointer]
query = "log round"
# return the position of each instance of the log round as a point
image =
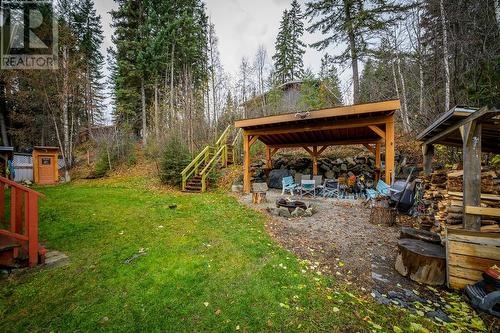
(421, 261)
(423, 235)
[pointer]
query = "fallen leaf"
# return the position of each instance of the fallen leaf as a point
(206, 303)
(218, 312)
(335, 309)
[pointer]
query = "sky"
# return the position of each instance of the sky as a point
(241, 26)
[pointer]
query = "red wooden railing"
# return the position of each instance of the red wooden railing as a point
(23, 218)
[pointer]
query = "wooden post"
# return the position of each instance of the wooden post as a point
(246, 163)
(471, 136)
(389, 150)
(377, 162)
(32, 209)
(315, 161)
(269, 162)
(428, 153)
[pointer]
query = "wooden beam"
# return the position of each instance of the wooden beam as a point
(389, 151)
(269, 161)
(246, 164)
(370, 148)
(322, 150)
(487, 211)
(471, 136)
(253, 139)
(428, 153)
(377, 130)
(274, 151)
(485, 112)
(328, 143)
(323, 126)
(308, 150)
(384, 106)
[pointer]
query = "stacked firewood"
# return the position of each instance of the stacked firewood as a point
(434, 199)
(444, 199)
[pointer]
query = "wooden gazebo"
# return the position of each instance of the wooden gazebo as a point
(371, 125)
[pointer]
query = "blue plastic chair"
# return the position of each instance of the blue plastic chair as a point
(288, 185)
(382, 190)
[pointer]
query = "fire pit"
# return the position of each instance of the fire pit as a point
(290, 204)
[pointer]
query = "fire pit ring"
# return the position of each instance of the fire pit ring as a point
(290, 204)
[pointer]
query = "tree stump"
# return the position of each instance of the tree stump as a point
(259, 197)
(421, 261)
(423, 235)
(381, 213)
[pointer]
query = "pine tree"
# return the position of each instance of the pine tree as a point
(288, 59)
(89, 33)
(357, 23)
(330, 83)
(282, 57)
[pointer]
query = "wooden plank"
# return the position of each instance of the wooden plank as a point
(328, 143)
(476, 263)
(471, 137)
(384, 106)
(474, 250)
(458, 283)
(322, 150)
(488, 211)
(322, 126)
(484, 196)
(389, 151)
(377, 130)
(465, 273)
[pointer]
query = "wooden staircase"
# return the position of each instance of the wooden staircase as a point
(195, 177)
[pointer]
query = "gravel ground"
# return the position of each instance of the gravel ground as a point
(340, 241)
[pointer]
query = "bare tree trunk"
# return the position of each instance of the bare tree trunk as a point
(65, 118)
(172, 84)
(143, 106)
(157, 111)
(403, 93)
(445, 57)
(3, 113)
(354, 53)
(396, 86)
(421, 87)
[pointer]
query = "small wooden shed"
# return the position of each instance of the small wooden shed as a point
(45, 168)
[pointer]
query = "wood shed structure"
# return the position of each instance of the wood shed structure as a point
(370, 124)
(476, 131)
(45, 167)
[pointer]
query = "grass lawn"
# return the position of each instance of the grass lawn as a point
(209, 266)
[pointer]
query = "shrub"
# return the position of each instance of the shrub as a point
(113, 148)
(175, 158)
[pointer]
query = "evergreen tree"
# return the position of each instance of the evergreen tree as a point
(288, 59)
(355, 23)
(88, 30)
(330, 83)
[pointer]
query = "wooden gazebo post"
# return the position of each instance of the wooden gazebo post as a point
(389, 150)
(471, 137)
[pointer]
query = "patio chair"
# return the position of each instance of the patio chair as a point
(382, 190)
(305, 177)
(288, 185)
(297, 177)
(331, 188)
(319, 184)
(308, 187)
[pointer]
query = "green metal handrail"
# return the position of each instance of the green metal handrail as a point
(222, 152)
